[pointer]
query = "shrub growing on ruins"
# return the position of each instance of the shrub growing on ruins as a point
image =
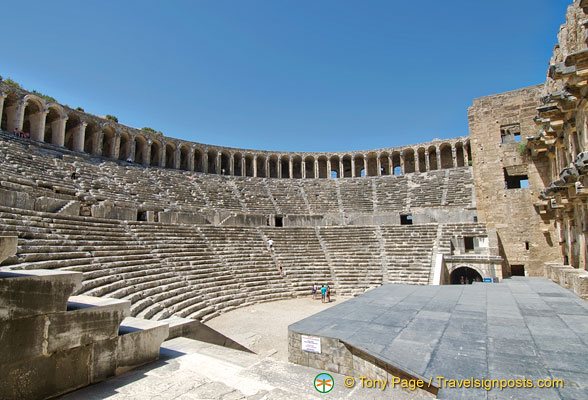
(13, 83)
(80, 109)
(522, 148)
(111, 117)
(151, 130)
(46, 97)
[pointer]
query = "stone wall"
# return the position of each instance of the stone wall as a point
(525, 238)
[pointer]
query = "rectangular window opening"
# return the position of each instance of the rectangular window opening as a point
(406, 219)
(141, 215)
(469, 243)
(279, 222)
(510, 133)
(517, 270)
(515, 181)
(526, 245)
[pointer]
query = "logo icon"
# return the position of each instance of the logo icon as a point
(324, 383)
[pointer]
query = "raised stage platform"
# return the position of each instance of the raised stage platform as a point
(524, 328)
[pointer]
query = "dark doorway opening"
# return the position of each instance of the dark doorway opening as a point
(141, 215)
(464, 275)
(406, 219)
(517, 270)
(279, 222)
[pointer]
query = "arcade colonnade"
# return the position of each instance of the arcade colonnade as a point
(52, 123)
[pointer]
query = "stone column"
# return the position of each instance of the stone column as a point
(316, 168)
(378, 166)
(219, 159)
(116, 146)
(162, 155)
(267, 167)
(402, 163)
(365, 166)
(353, 166)
(231, 164)
(427, 165)
(279, 167)
(132, 151)
(80, 137)
(453, 156)
(204, 161)
(291, 168)
(416, 161)
(19, 117)
(466, 159)
(2, 97)
(303, 169)
(328, 168)
(148, 143)
(341, 171)
(39, 133)
(438, 154)
(58, 128)
(255, 165)
(177, 162)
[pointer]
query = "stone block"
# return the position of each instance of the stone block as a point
(566, 277)
(7, 246)
(103, 362)
(88, 319)
(10, 198)
(139, 342)
(49, 204)
(580, 285)
(46, 377)
(34, 292)
(22, 339)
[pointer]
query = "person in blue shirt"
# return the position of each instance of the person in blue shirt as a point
(323, 293)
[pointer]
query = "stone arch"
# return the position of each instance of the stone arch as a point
(372, 164)
(212, 155)
(273, 166)
(422, 159)
(237, 164)
(459, 156)
(466, 271)
(140, 149)
(185, 157)
(52, 124)
(408, 157)
(225, 163)
(170, 155)
(249, 164)
(8, 117)
(359, 165)
(322, 167)
(285, 166)
(33, 117)
(396, 167)
(334, 172)
(91, 137)
(432, 158)
(297, 167)
(124, 148)
(384, 163)
(347, 170)
(198, 160)
(260, 165)
(156, 148)
(108, 141)
(446, 156)
(309, 167)
(72, 130)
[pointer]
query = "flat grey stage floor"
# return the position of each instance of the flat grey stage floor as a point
(523, 327)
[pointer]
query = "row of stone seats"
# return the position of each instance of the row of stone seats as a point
(355, 256)
(158, 189)
(303, 258)
(408, 251)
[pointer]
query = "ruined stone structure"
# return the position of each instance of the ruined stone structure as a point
(78, 131)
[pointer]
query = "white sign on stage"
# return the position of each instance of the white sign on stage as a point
(311, 344)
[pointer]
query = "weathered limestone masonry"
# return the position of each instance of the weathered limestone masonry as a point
(53, 343)
(53, 123)
(562, 138)
(526, 238)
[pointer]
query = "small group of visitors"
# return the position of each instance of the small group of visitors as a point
(325, 292)
(20, 133)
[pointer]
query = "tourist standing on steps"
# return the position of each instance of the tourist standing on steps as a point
(281, 269)
(314, 290)
(271, 245)
(328, 294)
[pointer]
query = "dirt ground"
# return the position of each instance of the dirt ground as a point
(263, 327)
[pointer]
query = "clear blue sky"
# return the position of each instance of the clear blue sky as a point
(299, 75)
